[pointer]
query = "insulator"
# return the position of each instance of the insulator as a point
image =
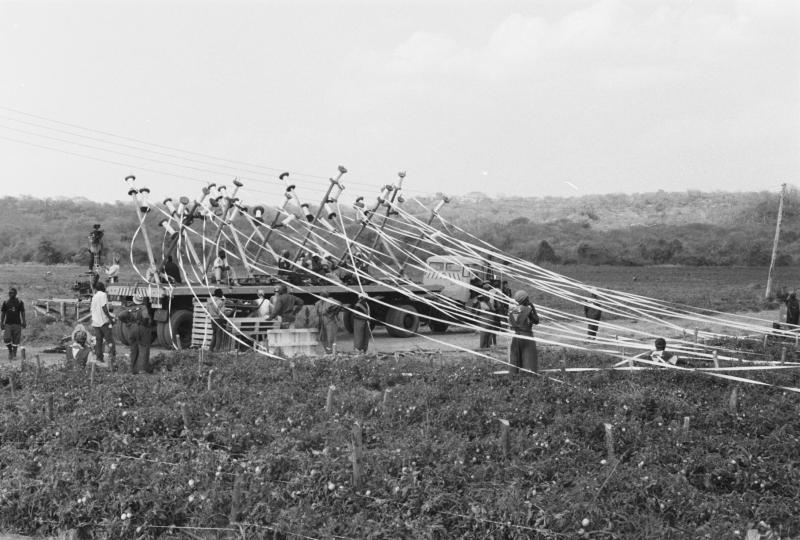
(329, 211)
(307, 212)
(288, 219)
(439, 205)
(144, 202)
(170, 205)
(336, 191)
(167, 226)
(327, 225)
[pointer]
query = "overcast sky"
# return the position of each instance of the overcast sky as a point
(531, 98)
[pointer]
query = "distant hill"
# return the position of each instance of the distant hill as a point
(691, 228)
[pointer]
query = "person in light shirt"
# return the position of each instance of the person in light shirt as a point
(102, 321)
(112, 272)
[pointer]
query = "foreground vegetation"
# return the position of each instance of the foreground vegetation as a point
(256, 454)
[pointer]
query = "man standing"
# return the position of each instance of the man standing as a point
(102, 321)
(285, 306)
(172, 271)
(112, 272)
(216, 312)
(792, 311)
(361, 320)
(223, 274)
(592, 312)
(327, 310)
(12, 321)
(138, 321)
(521, 318)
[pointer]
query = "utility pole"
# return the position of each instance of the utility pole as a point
(768, 292)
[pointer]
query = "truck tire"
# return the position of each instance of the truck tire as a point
(181, 323)
(119, 335)
(402, 321)
(438, 326)
(347, 321)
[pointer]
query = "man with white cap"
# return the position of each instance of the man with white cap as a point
(521, 318)
(102, 321)
(139, 330)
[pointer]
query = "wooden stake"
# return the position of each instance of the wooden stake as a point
(12, 382)
(716, 360)
(783, 355)
(610, 441)
(733, 401)
(38, 368)
(22, 355)
(765, 342)
(236, 499)
(505, 444)
(396, 358)
(563, 363)
(91, 376)
(200, 361)
(51, 414)
(357, 456)
(210, 379)
(294, 372)
(329, 400)
(695, 337)
(685, 430)
(187, 426)
(385, 404)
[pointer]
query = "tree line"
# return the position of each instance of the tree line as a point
(688, 228)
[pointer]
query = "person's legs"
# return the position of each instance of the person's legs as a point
(530, 356)
(514, 356)
(145, 340)
(109, 337)
(133, 341)
(7, 340)
(16, 335)
(98, 343)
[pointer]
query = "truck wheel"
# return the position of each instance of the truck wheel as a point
(119, 335)
(402, 321)
(347, 320)
(162, 335)
(181, 323)
(438, 327)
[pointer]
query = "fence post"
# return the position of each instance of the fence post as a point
(716, 360)
(505, 444)
(385, 404)
(236, 499)
(51, 414)
(357, 456)
(210, 379)
(329, 399)
(783, 355)
(609, 430)
(733, 401)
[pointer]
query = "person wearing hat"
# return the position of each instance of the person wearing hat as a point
(361, 320)
(12, 321)
(217, 313)
(138, 328)
(521, 318)
(285, 306)
(327, 310)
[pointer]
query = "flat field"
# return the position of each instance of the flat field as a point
(255, 454)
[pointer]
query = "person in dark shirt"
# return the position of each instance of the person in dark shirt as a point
(285, 307)
(792, 310)
(12, 321)
(592, 312)
(521, 318)
(172, 270)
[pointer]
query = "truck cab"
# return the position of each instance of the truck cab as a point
(455, 273)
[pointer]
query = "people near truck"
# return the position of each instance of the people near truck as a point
(484, 315)
(284, 263)
(263, 305)
(217, 313)
(171, 270)
(792, 310)
(361, 323)
(522, 317)
(593, 314)
(12, 321)
(139, 328)
(285, 307)
(496, 305)
(112, 271)
(80, 350)
(327, 310)
(102, 321)
(661, 354)
(223, 273)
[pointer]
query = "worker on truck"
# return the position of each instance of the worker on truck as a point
(285, 307)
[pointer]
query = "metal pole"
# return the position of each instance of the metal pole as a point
(434, 213)
(325, 200)
(768, 292)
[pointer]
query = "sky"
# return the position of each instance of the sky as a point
(529, 98)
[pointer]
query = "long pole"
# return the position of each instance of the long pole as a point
(768, 292)
(325, 200)
(410, 252)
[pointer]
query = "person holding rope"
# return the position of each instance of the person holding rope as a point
(361, 319)
(592, 312)
(138, 325)
(521, 318)
(285, 307)
(327, 310)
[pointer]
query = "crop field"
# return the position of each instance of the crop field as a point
(266, 450)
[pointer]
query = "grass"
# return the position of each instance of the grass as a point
(118, 462)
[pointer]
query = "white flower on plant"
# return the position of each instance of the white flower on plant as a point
(331, 486)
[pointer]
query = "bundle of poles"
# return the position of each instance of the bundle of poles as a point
(384, 241)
